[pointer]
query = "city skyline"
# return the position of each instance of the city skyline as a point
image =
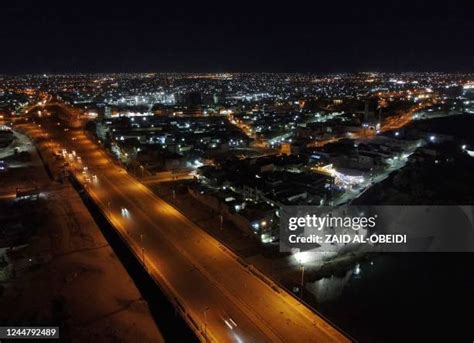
(189, 178)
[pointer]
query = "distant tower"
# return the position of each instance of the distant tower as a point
(370, 121)
(366, 111)
(107, 112)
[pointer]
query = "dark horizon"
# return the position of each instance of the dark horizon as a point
(89, 37)
(204, 72)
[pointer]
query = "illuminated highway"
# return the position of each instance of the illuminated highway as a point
(222, 299)
(391, 123)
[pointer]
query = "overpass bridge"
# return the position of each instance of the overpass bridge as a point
(221, 297)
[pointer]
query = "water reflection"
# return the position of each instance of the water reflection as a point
(328, 289)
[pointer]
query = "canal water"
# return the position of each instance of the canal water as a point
(409, 297)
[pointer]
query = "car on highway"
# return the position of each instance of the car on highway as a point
(124, 211)
(228, 320)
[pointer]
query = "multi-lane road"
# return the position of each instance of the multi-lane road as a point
(222, 298)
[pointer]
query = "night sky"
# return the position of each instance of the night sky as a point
(312, 36)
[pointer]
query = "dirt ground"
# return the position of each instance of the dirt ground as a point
(68, 275)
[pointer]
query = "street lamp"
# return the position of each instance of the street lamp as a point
(300, 257)
(143, 250)
(205, 322)
(302, 278)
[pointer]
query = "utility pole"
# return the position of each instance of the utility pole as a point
(302, 279)
(205, 322)
(143, 250)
